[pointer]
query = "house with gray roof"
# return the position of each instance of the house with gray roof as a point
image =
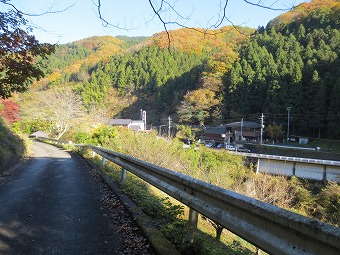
(236, 132)
(130, 124)
(38, 133)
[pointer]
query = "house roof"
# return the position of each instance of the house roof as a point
(246, 124)
(137, 122)
(222, 129)
(215, 130)
(251, 134)
(38, 134)
(122, 122)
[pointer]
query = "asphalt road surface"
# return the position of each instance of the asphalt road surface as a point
(51, 204)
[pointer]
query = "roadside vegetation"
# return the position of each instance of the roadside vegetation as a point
(12, 147)
(317, 200)
(202, 81)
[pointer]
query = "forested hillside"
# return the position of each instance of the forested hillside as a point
(152, 74)
(73, 62)
(296, 65)
(215, 76)
(201, 41)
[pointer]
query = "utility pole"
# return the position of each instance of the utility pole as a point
(241, 129)
(144, 119)
(288, 109)
(169, 130)
(262, 126)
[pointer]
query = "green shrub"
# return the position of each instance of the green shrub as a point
(303, 199)
(213, 166)
(12, 147)
(329, 199)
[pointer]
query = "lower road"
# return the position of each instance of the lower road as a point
(51, 204)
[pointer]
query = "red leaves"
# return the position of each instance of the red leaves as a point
(10, 111)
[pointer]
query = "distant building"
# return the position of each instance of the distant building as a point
(236, 132)
(136, 125)
(38, 134)
(247, 131)
(119, 122)
(130, 124)
(215, 134)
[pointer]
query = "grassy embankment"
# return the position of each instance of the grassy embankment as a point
(317, 200)
(12, 147)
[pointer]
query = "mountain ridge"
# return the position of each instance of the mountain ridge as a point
(205, 77)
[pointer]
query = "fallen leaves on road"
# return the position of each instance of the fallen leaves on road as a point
(132, 237)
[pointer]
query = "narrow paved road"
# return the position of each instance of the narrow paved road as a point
(51, 204)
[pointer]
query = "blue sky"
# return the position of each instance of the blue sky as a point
(81, 19)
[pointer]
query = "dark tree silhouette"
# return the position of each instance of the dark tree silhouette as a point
(18, 50)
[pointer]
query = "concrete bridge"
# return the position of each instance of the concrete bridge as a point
(314, 169)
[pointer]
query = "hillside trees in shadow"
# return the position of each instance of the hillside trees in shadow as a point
(295, 66)
(158, 78)
(12, 147)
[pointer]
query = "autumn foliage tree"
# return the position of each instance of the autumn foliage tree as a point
(275, 132)
(197, 106)
(61, 110)
(9, 110)
(18, 50)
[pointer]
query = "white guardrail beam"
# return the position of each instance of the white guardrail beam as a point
(272, 229)
(292, 159)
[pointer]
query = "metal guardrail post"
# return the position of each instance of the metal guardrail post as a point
(93, 153)
(324, 174)
(122, 175)
(258, 166)
(103, 161)
(192, 226)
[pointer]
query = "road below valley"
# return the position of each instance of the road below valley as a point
(53, 203)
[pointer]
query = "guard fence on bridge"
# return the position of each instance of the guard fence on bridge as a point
(272, 229)
(308, 168)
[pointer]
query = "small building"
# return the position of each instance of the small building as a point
(236, 132)
(130, 124)
(244, 131)
(119, 122)
(39, 133)
(136, 125)
(215, 134)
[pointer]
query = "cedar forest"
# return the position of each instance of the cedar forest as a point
(212, 77)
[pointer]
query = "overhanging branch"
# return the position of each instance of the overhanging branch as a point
(49, 11)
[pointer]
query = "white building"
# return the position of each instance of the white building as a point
(130, 124)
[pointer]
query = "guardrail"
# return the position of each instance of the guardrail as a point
(272, 229)
(293, 159)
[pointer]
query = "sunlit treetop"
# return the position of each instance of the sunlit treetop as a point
(18, 50)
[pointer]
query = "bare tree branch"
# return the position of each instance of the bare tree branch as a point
(260, 4)
(163, 10)
(157, 13)
(49, 11)
(105, 23)
(219, 22)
